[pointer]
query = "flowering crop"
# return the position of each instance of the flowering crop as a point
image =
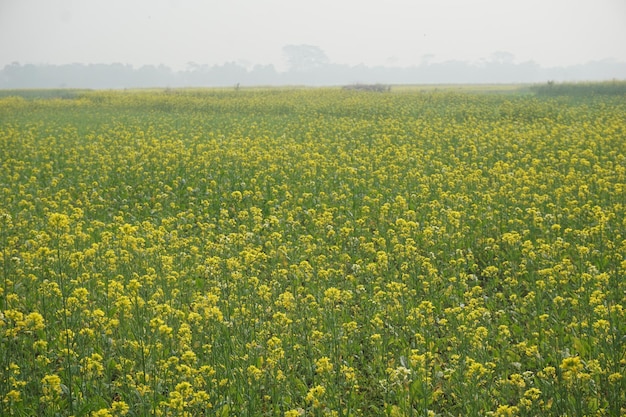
(312, 252)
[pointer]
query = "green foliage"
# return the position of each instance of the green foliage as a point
(607, 88)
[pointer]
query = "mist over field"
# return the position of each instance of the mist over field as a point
(309, 72)
(161, 43)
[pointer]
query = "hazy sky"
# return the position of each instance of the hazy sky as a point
(383, 32)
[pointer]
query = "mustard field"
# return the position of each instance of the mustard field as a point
(312, 252)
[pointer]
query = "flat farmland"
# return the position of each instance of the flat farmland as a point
(312, 252)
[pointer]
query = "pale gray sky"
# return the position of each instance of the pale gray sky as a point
(384, 32)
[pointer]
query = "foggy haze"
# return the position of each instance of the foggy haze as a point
(15, 76)
(191, 36)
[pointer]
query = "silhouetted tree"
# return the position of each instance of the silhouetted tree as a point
(305, 57)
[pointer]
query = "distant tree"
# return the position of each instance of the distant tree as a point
(305, 57)
(427, 59)
(503, 57)
(193, 66)
(264, 75)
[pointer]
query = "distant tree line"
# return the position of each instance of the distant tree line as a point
(302, 72)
